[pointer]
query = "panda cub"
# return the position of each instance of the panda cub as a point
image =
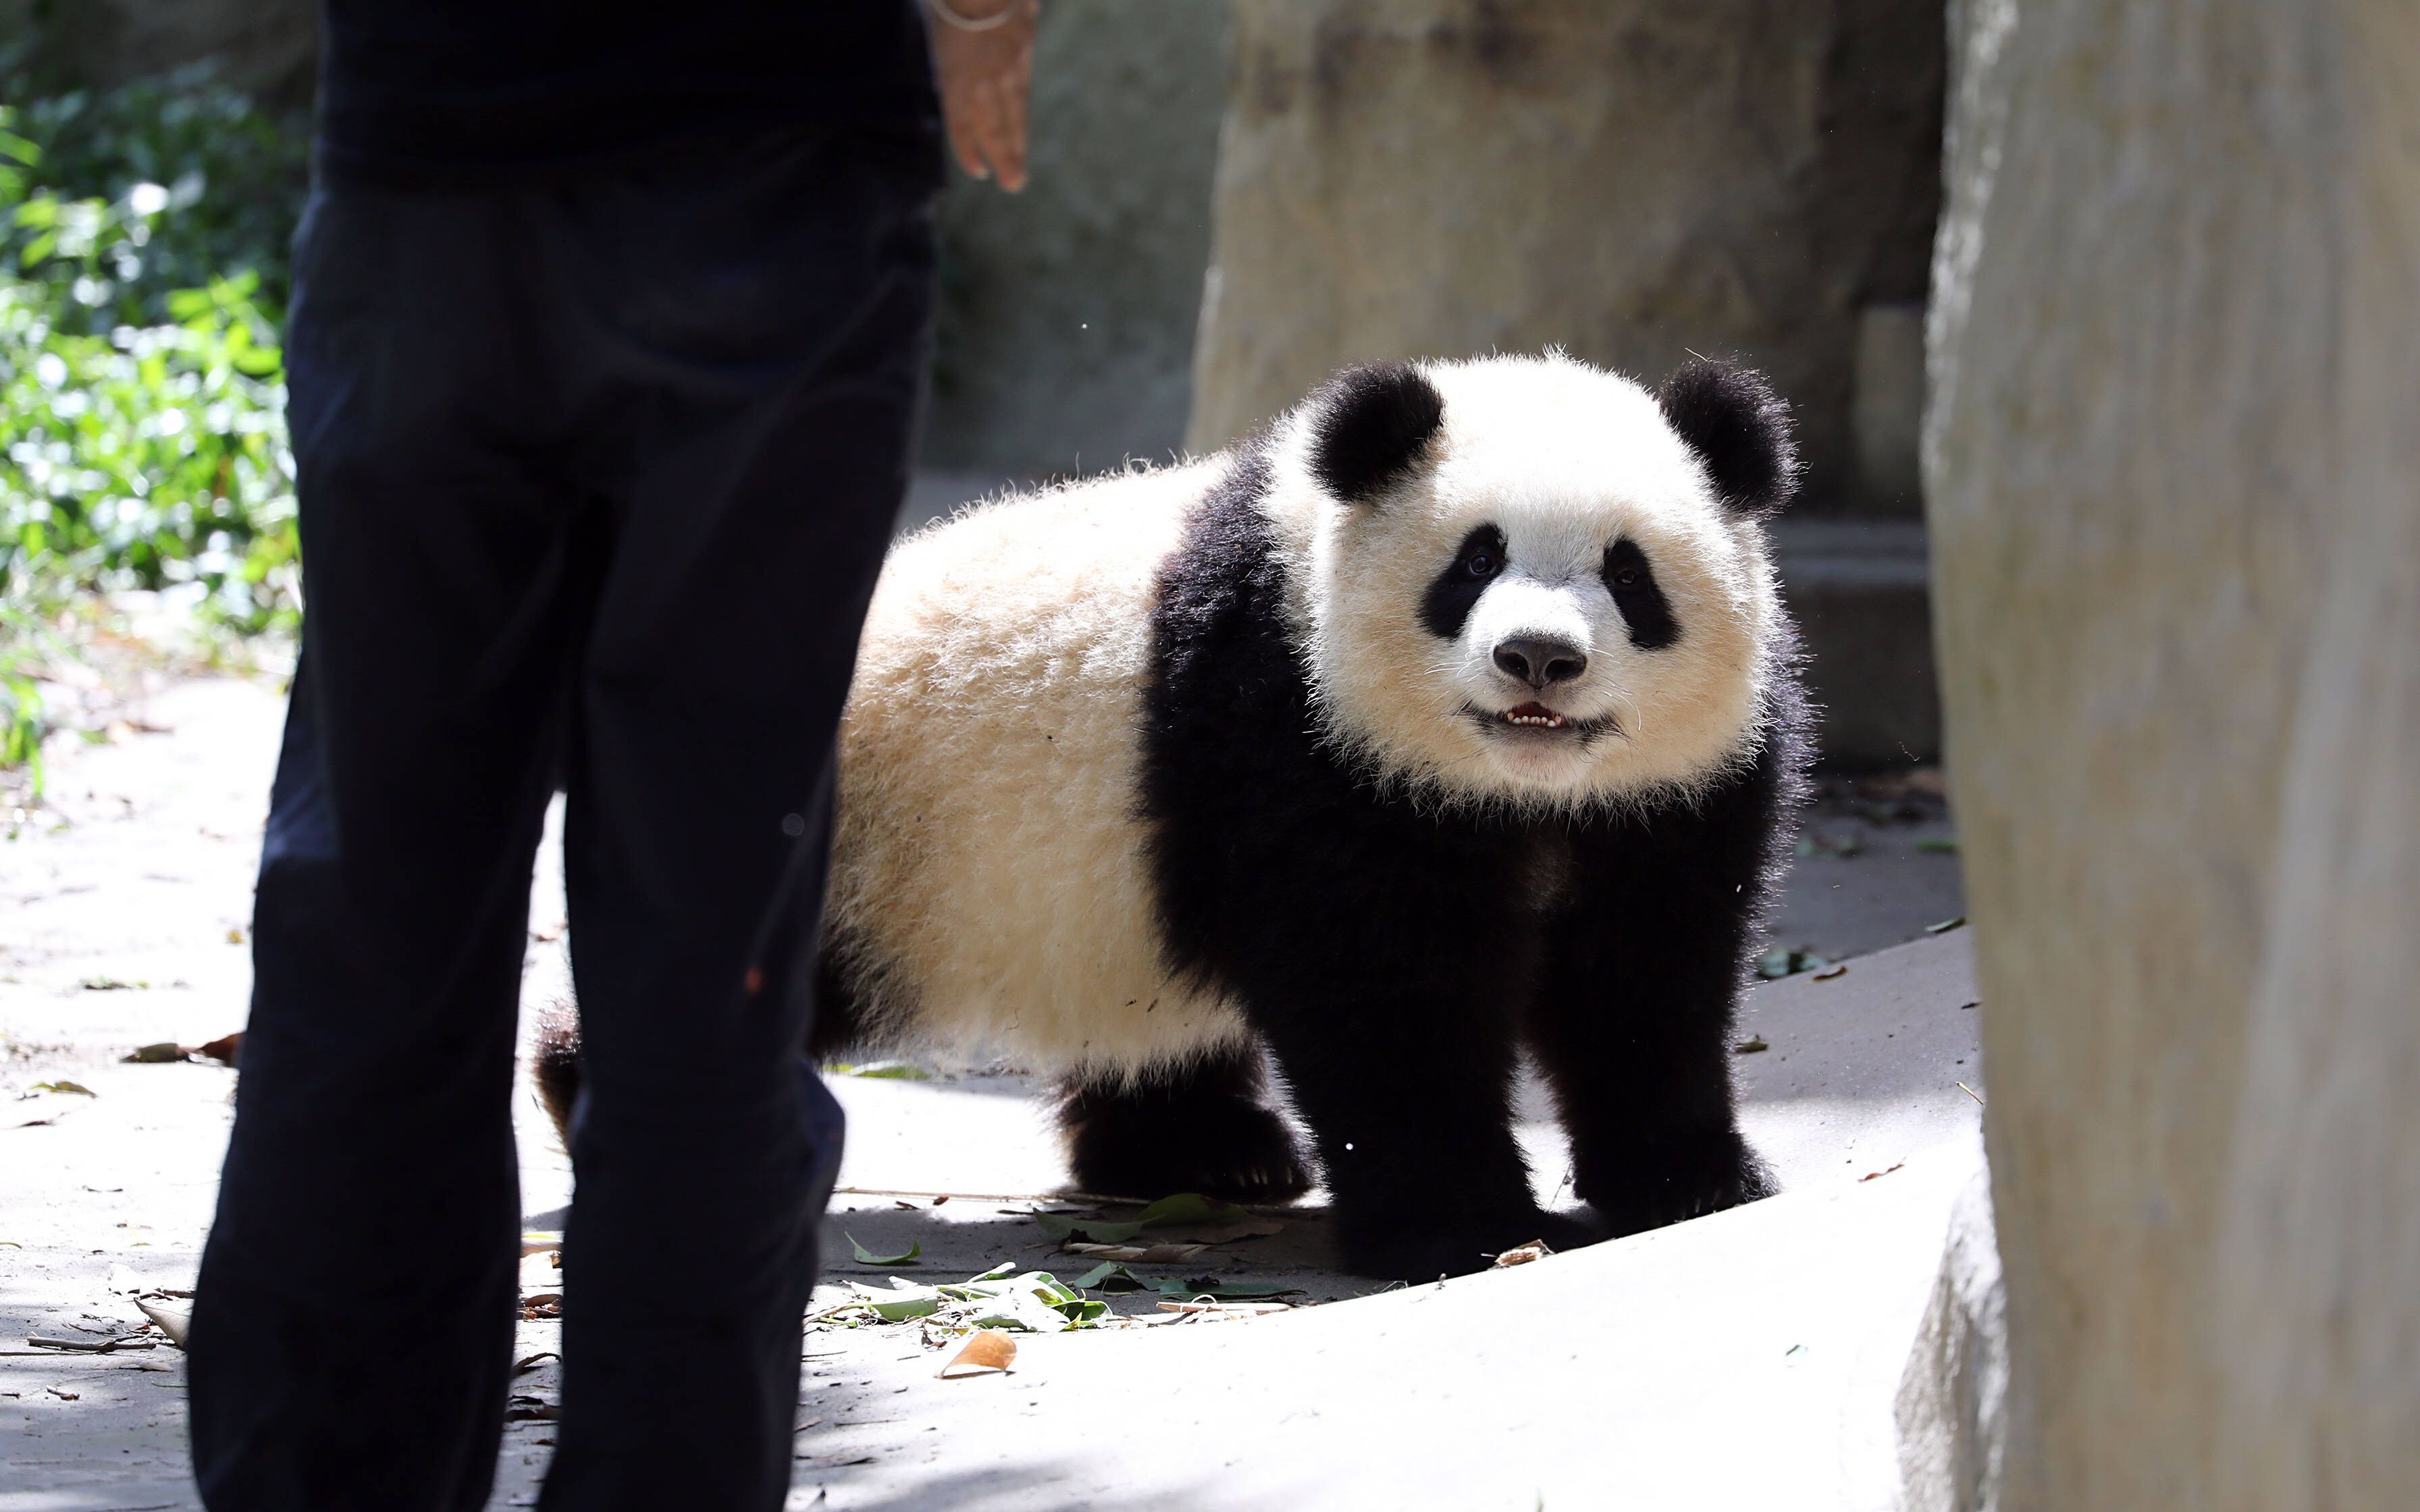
(1455, 715)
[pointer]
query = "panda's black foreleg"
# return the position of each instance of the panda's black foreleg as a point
(1201, 1127)
(1641, 1078)
(1409, 1099)
(1632, 1023)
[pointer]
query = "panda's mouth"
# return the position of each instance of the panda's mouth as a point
(1532, 720)
(1534, 717)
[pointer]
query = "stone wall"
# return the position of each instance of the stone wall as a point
(2174, 490)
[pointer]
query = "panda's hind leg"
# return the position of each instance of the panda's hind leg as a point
(1202, 1127)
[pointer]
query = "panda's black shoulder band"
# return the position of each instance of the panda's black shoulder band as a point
(1731, 416)
(1372, 427)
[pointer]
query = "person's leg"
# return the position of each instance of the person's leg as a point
(354, 1328)
(769, 336)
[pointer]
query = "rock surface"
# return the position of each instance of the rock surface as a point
(2175, 508)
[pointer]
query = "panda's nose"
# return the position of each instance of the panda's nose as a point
(1540, 661)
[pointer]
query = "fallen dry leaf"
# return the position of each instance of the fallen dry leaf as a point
(1884, 1171)
(166, 1052)
(42, 1341)
(1536, 1249)
(172, 1321)
(528, 1363)
(1750, 1046)
(988, 1349)
(1830, 973)
(226, 1049)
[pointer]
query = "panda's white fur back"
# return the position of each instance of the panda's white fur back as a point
(989, 884)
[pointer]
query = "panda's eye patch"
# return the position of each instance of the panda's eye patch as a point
(1476, 563)
(1644, 612)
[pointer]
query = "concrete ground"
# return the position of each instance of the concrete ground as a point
(1741, 1360)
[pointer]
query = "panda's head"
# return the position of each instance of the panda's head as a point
(1527, 581)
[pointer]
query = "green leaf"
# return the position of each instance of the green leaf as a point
(866, 1256)
(893, 1070)
(1938, 845)
(1776, 963)
(77, 1088)
(1945, 925)
(901, 1303)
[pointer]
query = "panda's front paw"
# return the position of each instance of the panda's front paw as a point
(1424, 1251)
(1660, 1181)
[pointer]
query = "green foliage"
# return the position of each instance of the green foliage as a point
(142, 404)
(21, 729)
(232, 178)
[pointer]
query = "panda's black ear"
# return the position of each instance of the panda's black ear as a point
(1372, 427)
(1731, 418)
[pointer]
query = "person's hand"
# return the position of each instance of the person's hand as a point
(983, 51)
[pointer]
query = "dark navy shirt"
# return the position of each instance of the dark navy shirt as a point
(489, 91)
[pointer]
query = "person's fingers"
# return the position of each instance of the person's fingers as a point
(989, 119)
(1013, 92)
(962, 137)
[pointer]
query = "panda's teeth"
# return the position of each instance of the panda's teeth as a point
(1544, 719)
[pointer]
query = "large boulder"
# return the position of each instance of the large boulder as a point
(1632, 179)
(2174, 488)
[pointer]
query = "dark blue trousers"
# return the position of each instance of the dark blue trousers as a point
(596, 478)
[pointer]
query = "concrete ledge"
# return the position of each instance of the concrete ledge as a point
(1860, 591)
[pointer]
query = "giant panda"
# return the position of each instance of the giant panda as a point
(1453, 716)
